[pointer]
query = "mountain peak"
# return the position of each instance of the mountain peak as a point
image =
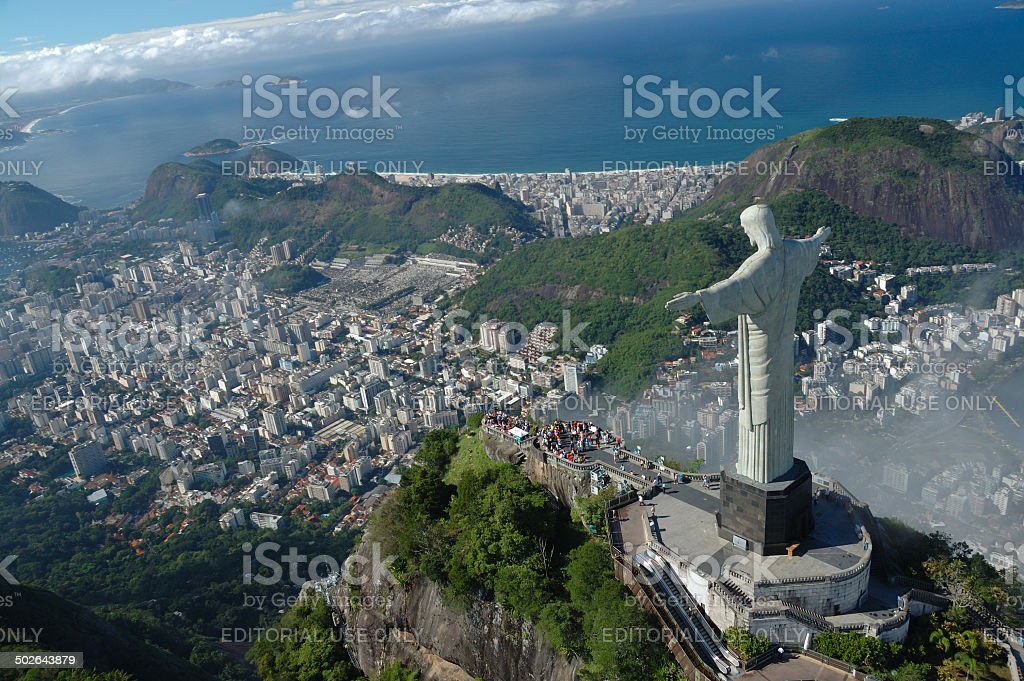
(919, 173)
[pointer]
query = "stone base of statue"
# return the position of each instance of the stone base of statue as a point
(766, 517)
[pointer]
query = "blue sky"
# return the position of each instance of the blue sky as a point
(54, 22)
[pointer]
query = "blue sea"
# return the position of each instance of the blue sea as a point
(547, 96)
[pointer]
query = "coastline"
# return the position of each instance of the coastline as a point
(667, 167)
(30, 126)
(27, 129)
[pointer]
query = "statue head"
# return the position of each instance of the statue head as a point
(759, 224)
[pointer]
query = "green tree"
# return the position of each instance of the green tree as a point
(856, 649)
(591, 508)
(395, 671)
(746, 644)
(912, 671)
(968, 663)
(315, 653)
(954, 577)
(559, 623)
(941, 641)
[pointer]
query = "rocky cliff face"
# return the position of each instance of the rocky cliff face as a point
(559, 483)
(413, 624)
(920, 174)
(1007, 135)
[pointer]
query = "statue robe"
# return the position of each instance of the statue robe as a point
(763, 295)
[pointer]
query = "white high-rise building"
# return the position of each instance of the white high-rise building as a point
(489, 334)
(571, 374)
(273, 419)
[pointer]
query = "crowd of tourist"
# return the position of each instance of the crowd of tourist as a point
(566, 439)
(570, 439)
(505, 422)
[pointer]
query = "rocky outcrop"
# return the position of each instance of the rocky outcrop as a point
(920, 174)
(171, 189)
(1007, 135)
(414, 624)
(27, 208)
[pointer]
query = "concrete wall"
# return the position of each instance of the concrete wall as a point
(832, 596)
(917, 608)
(781, 629)
(896, 635)
(724, 613)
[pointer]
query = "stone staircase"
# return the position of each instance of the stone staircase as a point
(734, 590)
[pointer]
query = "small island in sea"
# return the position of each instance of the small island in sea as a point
(1011, 5)
(214, 147)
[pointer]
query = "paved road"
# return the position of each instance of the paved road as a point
(690, 492)
(607, 458)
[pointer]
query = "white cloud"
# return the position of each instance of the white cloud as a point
(314, 4)
(314, 25)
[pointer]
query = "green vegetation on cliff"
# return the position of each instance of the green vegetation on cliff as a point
(855, 237)
(938, 141)
(617, 283)
(313, 651)
(495, 534)
(172, 188)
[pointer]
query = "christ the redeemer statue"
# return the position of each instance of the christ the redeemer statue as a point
(763, 294)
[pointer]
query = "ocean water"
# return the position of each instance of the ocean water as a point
(543, 97)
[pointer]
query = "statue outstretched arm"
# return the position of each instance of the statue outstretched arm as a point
(724, 300)
(732, 297)
(811, 249)
(684, 301)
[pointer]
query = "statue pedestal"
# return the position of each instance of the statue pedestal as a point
(766, 517)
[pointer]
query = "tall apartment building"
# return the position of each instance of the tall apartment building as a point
(273, 419)
(87, 460)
